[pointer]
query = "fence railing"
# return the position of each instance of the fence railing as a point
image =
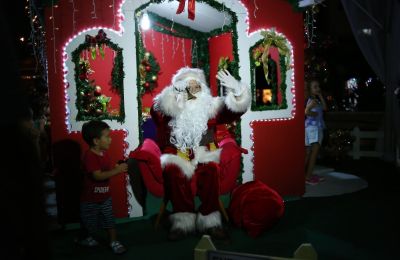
(361, 137)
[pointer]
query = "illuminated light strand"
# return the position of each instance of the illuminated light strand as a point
(162, 48)
(41, 49)
(54, 37)
(113, 10)
(94, 14)
(173, 47)
(128, 194)
(184, 51)
(73, 16)
(177, 44)
(152, 38)
(255, 8)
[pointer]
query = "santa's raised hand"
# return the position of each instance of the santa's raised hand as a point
(228, 81)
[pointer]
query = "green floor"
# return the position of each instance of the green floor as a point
(362, 225)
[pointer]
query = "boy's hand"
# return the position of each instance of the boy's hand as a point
(122, 167)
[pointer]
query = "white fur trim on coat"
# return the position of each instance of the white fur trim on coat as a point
(215, 107)
(241, 103)
(186, 167)
(203, 155)
(184, 221)
(211, 220)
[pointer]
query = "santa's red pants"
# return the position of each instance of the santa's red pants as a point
(181, 190)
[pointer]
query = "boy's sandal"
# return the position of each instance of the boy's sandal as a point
(89, 242)
(117, 247)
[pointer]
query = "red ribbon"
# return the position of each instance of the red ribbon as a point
(191, 8)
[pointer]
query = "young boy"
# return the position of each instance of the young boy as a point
(96, 206)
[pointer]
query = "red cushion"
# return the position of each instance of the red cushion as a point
(148, 157)
(255, 207)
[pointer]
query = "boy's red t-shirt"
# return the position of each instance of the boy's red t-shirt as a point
(93, 190)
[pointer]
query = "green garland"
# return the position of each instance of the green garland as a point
(283, 69)
(117, 77)
(148, 72)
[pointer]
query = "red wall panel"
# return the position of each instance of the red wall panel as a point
(279, 146)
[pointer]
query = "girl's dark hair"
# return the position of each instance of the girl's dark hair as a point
(92, 130)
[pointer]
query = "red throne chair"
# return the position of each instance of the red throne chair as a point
(148, 156)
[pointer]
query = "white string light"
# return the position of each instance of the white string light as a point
(177, 44)
(183, 51)
(33, 32)
(113, 10)
(255, 9)
(162, 48)
(94, 14)
(54, 37)
(152, 38)
(173, 46)
(309, 26)
(73, 15)
(37, 41)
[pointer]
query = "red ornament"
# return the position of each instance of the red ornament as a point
(147, 84)
(148, 68)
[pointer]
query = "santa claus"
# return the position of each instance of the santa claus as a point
(186, 116)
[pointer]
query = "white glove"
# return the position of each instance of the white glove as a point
(181, 99)
(228, 81)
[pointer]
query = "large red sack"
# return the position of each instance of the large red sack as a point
(255, 207)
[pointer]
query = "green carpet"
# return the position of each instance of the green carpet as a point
(362, 225)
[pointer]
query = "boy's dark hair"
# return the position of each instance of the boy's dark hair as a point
(92, 130)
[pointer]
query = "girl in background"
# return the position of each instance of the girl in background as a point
(314, 125)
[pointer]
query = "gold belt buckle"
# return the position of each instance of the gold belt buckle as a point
(184, 155)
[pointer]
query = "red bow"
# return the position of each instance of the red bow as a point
(191, 8)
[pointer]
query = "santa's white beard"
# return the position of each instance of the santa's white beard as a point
(189, 126)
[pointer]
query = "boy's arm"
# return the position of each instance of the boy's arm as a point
(104, 175)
